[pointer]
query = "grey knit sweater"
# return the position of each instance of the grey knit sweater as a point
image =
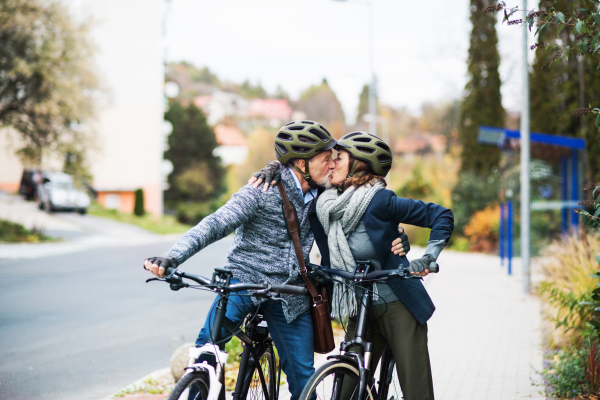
(262, 250)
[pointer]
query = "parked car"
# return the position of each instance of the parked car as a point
(58, 193)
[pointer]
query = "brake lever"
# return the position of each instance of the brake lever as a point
(155, 279)
(276, 297)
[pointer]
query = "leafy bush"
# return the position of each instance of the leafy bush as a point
(567, 265)
(472, 193)
(564, 373)
(192, 213)
(417, 187)
(483, 229)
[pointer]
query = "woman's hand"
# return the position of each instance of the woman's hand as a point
(401, 246)
(158, 265)
(420, 266)
(270, 173)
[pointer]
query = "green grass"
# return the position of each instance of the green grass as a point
(163, 225)
(11, 232)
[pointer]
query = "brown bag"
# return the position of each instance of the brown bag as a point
(322, 330)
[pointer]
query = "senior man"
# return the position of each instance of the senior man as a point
(262, 251)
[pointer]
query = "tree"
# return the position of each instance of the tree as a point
(571, 83)
(320, 104)
(482, 104)
(197, 175)
(46, 76)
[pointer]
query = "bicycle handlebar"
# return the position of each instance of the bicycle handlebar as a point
(240, 287)
(400, 272)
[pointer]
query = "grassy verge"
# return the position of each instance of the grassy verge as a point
(163, 225)
(11, 232)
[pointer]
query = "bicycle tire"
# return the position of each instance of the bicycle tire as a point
(329, 377)
(198, 380)
(254, 385)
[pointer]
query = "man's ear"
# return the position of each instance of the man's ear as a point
(301, 164)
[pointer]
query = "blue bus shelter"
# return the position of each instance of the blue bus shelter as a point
(567, 150)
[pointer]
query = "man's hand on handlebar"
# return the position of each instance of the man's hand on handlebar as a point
(420, 266)
(158, 265)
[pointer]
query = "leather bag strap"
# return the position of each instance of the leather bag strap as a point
(294, 231)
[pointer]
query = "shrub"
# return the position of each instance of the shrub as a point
(192, 213)
(138, 208)
(472, 193)
(11, 232)
(567, 265)
(483, 228)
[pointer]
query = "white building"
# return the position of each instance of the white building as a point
(128, 38)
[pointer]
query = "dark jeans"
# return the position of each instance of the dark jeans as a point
(398, 329)
(294, 340)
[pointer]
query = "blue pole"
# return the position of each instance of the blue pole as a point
(574, 188)
(501, 241)
(510, 235)
(564, 211)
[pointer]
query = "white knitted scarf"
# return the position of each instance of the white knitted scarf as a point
(339, 216)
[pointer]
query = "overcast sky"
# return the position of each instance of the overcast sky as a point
(420, 48)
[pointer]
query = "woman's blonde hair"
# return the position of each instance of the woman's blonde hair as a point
(358, 181)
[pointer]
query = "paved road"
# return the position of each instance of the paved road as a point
(84, 325)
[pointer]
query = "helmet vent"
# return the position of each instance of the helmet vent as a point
(348, 136)
(386, 168)
(290, 123)
(326, 131)
(284, 136)
(319, 134)
(382, 158)
(282, 149)
(362, 140)
(365, 149)
(306, 139)
(296, 128)
(308, 122)
(301, 149)
(383, 146)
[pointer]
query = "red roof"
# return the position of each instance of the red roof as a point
(270, 109)
(229, 136)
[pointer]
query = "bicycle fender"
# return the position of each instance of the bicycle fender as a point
(340, 357)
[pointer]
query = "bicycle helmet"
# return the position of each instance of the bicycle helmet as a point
(369, 148)
(302, 139)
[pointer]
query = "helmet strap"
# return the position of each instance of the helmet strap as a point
(306, 175)
(350, 175)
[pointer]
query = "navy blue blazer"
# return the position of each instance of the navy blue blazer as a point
(381, 221)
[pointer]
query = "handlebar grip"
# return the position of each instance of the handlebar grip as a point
(169, 271)
(287, 289)
(434, 267)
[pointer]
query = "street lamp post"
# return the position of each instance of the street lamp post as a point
(371, 34)
(525, 182)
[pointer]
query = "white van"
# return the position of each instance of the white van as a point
(58, 193)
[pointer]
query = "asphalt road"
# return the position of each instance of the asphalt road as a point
(84, 325)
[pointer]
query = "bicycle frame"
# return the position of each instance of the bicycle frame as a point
(257, 340)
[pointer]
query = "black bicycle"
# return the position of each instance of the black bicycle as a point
(259, 373)
(349, 375)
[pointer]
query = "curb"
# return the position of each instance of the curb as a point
(154, 375)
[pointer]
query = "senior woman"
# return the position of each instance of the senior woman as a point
(359, 217)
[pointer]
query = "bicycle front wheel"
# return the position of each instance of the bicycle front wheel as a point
(255, 387)
(336, 380)
(193, 386)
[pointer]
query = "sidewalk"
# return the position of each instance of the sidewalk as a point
(484, 338)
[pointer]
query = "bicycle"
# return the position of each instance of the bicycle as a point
(348, 376)
(204, 380)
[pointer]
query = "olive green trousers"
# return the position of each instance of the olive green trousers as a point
(394, 326)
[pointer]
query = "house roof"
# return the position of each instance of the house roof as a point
(269, 109)
(229, 136)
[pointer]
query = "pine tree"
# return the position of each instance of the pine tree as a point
(482, 104)
(556, 90)
(198, 175)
